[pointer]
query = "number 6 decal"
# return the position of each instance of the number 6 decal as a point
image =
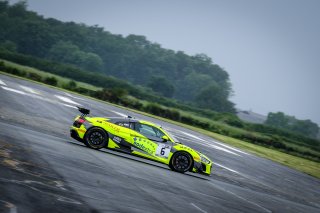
(163, 150)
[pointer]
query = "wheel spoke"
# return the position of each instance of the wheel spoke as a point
(181, 162)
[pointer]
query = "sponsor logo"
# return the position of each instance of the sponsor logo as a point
(117, 139)
(142, 147)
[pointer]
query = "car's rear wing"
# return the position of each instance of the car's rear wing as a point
(84, 111)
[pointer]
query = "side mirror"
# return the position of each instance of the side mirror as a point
(165, 138)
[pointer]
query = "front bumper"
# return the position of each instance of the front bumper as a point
(202, 168)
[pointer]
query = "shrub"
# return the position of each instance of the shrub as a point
(34, 76)
(51, 80)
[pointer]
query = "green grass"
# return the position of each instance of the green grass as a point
(298, 163)
(61, 80)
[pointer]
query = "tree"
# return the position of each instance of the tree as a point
(161, 85)
(92, 62)
(69, 53)
(213, 97)
(278, 119)
(9, 46)
(304, 127)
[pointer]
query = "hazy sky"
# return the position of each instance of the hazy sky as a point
(270, 48)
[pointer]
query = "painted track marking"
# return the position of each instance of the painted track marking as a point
(223, 149)
(195, 206)
(231, 170)
(2, 83)
(208, 144)
(28, 89)
(66, 99)
(67, 105)
(13, 90)
(67, 94)
(190, 135)
(35, 96)
(119, 113)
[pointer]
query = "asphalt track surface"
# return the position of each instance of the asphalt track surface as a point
(43, 170)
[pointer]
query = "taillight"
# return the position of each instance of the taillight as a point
(77, 123)
(81, 120)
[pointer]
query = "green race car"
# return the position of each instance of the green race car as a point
(140, 138)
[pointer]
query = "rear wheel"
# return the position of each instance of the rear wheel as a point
(181, 162)
(96, 138)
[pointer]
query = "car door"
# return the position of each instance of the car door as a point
(124, 134)
(151, 141)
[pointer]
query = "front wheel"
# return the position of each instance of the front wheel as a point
(96, 138)
(181, 162)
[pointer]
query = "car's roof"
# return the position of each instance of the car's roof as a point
(122, 119)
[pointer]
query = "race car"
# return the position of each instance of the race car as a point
(140, 138)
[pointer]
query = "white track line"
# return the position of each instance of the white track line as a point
(67, 105)
(194, 205)
(190, 135)
(30, 90)
(67, 94)
(231, 170)
(229, 147)
(38, 97)
(68, 100)
(223, 149)
(119, 113)
(210, 145)
(2, 83)
(14, 90)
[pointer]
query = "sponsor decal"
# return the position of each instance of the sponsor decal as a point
(117, 139)
(163, 150)
(112, 126)
(144, 145)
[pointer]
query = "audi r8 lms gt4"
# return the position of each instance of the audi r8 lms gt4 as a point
(140, 138)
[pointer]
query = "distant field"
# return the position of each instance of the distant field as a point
(301, 164)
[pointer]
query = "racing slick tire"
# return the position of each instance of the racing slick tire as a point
(181, 162)
(96, 138)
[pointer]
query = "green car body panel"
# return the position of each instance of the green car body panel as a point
(140, 138)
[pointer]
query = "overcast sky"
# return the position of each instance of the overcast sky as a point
(270, 48)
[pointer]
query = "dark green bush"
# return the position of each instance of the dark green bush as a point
(34, 76)
(51, 81)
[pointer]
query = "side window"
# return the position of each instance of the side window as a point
(148, 130)
(125, 124)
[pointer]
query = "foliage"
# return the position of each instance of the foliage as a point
(161, 85)
(132, 58)
(69, 53)
(34, 76)
(51, 81)
(290, 123)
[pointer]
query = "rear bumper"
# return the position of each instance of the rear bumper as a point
(74, 134)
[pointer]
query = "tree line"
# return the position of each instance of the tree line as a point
(195, 80)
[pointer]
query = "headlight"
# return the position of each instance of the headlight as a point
(205, 160)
